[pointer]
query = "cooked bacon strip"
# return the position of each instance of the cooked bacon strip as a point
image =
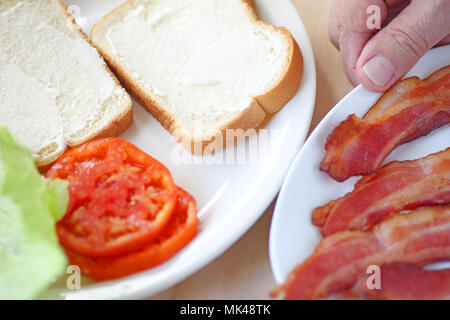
(417, 238)
(395, 187)
(407, 111)
(406, 282)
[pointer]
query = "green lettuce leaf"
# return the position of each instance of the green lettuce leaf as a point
(30, 255)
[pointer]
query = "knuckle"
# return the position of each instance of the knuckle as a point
(410, 41)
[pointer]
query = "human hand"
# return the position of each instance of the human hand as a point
(377, 58)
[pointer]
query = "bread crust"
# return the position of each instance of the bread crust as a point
(250, 118)
(288, 84)
(269, 102)
(114, 128)
(251, 4)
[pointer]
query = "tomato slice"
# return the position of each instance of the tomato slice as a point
(120, 197)
(180, 230)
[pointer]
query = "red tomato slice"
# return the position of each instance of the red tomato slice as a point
(120, 197)
(180, 230)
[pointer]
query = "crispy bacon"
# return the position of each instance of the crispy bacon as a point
(395, 187)
(400, 281)
(340, 260)
(407, 111)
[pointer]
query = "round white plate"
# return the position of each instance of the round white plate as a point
(231, 197)
(293, 237)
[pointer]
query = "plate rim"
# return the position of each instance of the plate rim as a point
(287, 181)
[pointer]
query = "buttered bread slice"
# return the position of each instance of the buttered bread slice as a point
(200, 66)
(55, 89)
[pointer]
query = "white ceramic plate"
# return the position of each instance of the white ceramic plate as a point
(293, 238)
(230, 197)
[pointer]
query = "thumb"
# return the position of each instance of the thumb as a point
(395, 49)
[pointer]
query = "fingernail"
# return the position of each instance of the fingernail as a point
(379, 69)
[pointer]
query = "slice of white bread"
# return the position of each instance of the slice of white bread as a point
(200, 66)
(55, 89)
